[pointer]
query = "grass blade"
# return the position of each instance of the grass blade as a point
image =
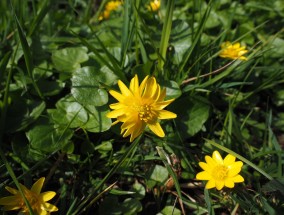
(13, 176)
(166, 34)
(197, 36)
(80, 207)
(27, 53)
(36, 22)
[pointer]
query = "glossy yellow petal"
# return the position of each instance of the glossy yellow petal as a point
(205, 166)
(123, 89)
(219, 184)
(117, 106)
(11, 190)
(115, 113)
(210, 184)
(150, 88)
(38, 185)
(238, 179)
(164, 114)
(236, 46)
(233, 172)
(157, 129)
(163, 104)
(243, 58)
(46, 196)
(229, 159)
(212, 163)
(134, 85)
(237, 164)
(229, 183)
(143, 85)
(128, 124)
(130, 130)
(49, 207)
(127, 132)
(119, 97)
(217, 157)
(11, 207)
(156, 95)
(43, 212)
(203, 176)
(137, 132)
(10, 200)
(25, 189)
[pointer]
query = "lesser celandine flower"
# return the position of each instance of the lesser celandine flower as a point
(154, 5)
(37, 200)
(140, 106)
(110, 6)
(219, 172)
(233, 51)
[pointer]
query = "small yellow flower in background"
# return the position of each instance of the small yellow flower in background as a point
(139, 106)
(37, 200)
(154, 5)
(233, 51)
(110, 6)
(219, 172)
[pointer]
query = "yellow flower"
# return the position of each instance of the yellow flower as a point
(219, 172)
(233, 51)
(110, 6)
(139, 106)
(37, 200)
(154, 5)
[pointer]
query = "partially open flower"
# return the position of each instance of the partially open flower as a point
(110, 6)
(154, 5)
(233, 51)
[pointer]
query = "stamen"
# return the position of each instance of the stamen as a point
(145, 112)
(220, 172)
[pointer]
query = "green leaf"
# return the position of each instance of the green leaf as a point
(22, 113)
(172, 89)
(69, 59)
(131, 206)
(110, 205)
(274, 185)
(104, 146)
(158, 173)
(170, 210)
(180, 39)
(98, 122)
(190, 120)
(45, 137)
(139, 190)
(69, 111)
(86, 87)
(50, 88)
(277, 48)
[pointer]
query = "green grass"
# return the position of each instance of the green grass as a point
(58, 62)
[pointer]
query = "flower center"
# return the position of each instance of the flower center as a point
(220, 172)
(145, 113)
(32, 199)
